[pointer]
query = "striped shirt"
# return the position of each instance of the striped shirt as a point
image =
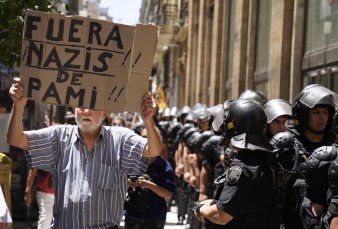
(90, 187)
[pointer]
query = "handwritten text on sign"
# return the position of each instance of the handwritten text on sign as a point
(77, 61)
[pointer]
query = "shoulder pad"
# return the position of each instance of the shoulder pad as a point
(326, 153)
(319, 155)
(233, 174)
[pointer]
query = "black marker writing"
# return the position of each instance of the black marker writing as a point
(87, 59)
(112, 92)
(118, 94)
(138, 57)
(24, 54)
(126, 56)
(93, 98)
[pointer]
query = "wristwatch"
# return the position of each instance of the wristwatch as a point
(197, 208)
(197, 212)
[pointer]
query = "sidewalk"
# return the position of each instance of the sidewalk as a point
(172, 221)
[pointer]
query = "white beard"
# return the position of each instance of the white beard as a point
(88, 127)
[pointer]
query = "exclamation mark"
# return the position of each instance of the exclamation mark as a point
(138, 57)
(118, 94)
(126, 56)
(112, 92)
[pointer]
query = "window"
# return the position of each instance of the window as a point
(263, 46)
(321, 24)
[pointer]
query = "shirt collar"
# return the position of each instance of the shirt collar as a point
(76, 136)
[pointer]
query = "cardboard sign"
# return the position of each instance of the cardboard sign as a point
(83, 62)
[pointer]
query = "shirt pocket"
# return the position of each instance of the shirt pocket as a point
(107, 178)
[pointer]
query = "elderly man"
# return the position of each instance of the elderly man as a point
(89, 162)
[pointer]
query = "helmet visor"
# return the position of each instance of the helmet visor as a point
(219, 119)
(311, 97)
(214, 110)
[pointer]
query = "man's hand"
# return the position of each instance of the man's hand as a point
(202, 196)
(16, 93)
(28, 198)
(317, 209)
(193, 181)
(132, 182)
(145, 183)
(148, 107)
(179, 170)
(15, 133)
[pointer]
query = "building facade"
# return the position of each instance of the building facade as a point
(219, 48)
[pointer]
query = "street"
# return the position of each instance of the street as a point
(171, 222)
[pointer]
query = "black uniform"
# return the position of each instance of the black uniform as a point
(248, 193)
(287, 168)
(316, 179)
(248, 188)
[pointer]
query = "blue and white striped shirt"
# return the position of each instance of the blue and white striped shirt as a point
(90, 187)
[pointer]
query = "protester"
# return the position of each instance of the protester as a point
(89, 162)
(5, 217)
(70, 118)
(146, 203)
(118, 120)
(44, 195)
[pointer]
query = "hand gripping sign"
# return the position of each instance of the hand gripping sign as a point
(84, 62)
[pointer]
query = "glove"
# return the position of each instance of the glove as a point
(323, 153)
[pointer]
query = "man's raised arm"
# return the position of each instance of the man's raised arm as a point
(154, 146)
(15, 134)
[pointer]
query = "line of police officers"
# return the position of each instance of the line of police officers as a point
(252, 164)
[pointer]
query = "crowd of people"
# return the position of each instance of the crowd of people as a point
(247, 163)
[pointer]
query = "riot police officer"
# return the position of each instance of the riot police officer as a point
(313, 111)
(247, 196)
(277, 111)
